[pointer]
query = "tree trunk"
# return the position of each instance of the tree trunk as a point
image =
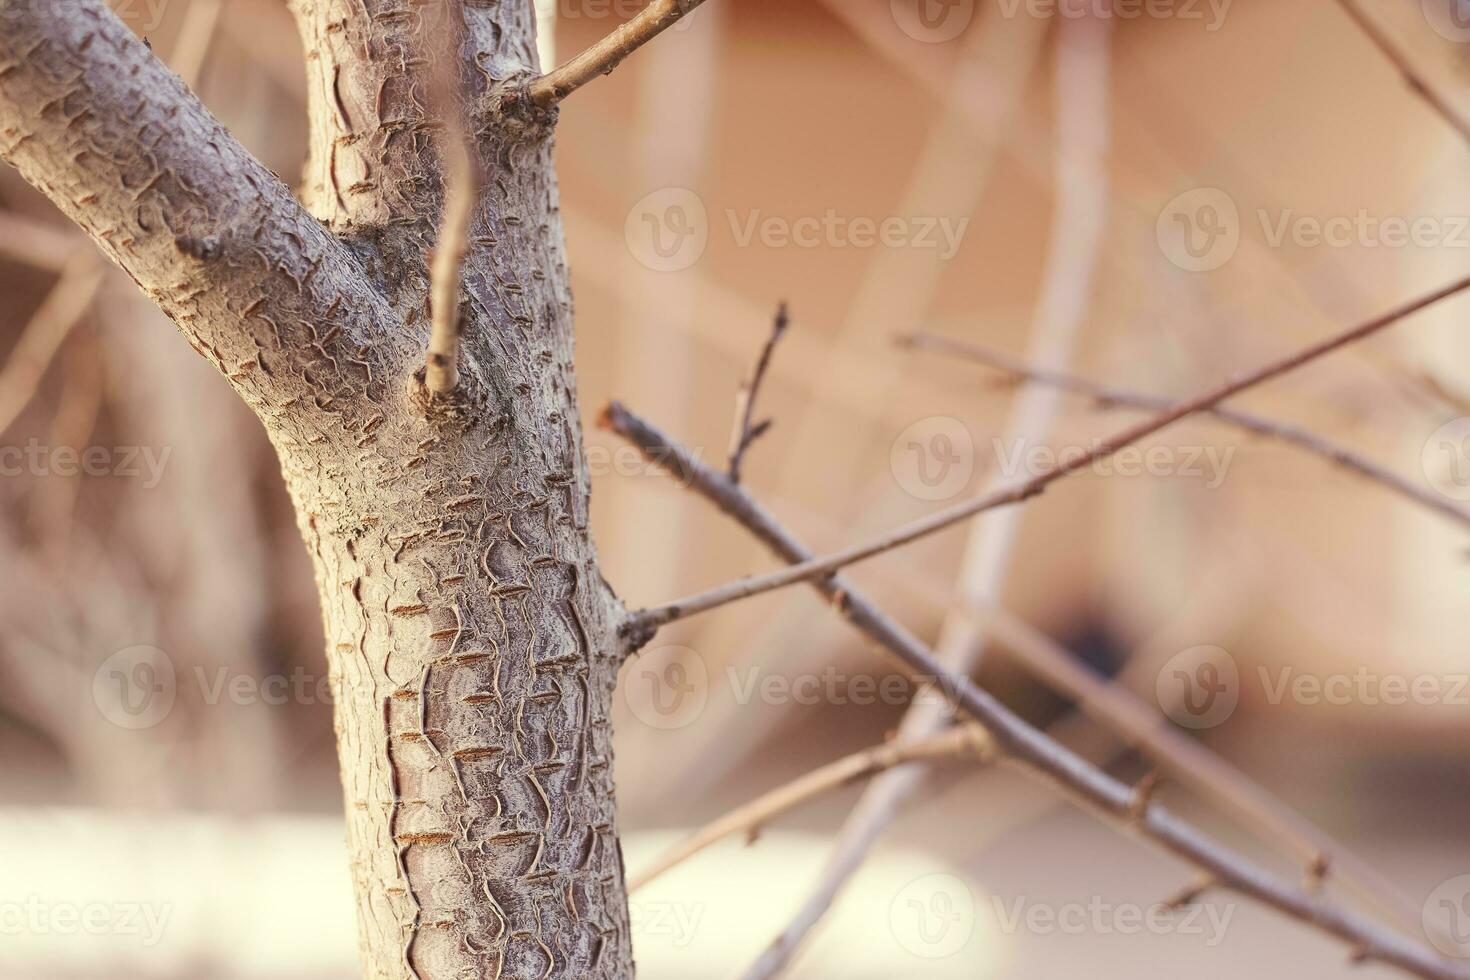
(472, 642)
(473, 649)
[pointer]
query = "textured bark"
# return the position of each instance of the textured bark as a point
(472, 642)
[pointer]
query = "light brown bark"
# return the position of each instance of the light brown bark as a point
(472, 641)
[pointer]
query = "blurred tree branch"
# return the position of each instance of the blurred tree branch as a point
(1032, 750)
(817, 568)
(1110, 396)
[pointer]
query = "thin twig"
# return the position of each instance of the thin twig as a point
(1083, 132)
(38, 243)
(747, 430)
(196, 34)
(53, 321)
(1183, 758)
(602, 57)
(1109, 396)
(1411, 77)
(1033, 750)
(815, 568)
(461, 190)
(958, 742)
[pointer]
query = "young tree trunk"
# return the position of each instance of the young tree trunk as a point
(472, 641)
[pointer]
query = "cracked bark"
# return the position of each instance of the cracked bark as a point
(472, 642)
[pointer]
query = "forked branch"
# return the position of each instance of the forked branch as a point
(964, 741)
(817, 568)
(747, 430)
(602, 57)
(1035, 751)
(118, 142)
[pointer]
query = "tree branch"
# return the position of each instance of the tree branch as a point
(1411, 77)
(1109, 396)
(1184, 758)
(1033, 750)
(747, 430)
(39, 244)
(815, 568)
(958, 742)
(92, 119)
(461, 192)
(602, 57)
(62, 309)
(1080, 185)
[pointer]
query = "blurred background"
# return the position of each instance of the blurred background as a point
(1157, 201)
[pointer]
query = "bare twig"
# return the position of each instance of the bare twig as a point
(58, 314)
(1079, 223)
(1184, 759)
(747, 430)
(816, 568)
(958, 742)
(602, 57)
(461, 190)
(196, 34)
(1033, 750)
(1412, 78)
(1109, 396)
(37, 243)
